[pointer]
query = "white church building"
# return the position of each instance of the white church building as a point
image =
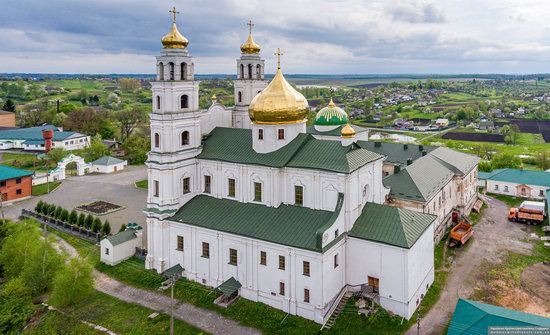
(295, 214)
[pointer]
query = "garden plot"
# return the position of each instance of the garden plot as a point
(99, 207)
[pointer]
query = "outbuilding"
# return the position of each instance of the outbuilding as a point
(517, 183)
(15, 184)
(120, 246)
(108, 164)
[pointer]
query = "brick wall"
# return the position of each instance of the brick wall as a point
(16, 188)
(7, 119)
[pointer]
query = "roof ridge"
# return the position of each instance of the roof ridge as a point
(307, 139)
(414, 182)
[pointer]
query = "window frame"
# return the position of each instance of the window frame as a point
(184, 138)
(207, 184)
(205, 250)
(186, 189)
(233, 256)
(180, 241)
(306, 268)
(258, 192)
(298, 195)
(280, 134)
(336, 262)
(282, 288)
(260, 134)
(282, 262)
(231, 187)
(156, 188)
(263, 258)
(306, 295)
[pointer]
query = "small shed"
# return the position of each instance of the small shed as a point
(108, 164)
(230, 292)
(119, 247)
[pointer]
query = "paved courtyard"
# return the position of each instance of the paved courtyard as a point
(117, 188)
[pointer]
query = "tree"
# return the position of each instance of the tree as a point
(81, 220)
(106, 228)
(57, 154)
(45, 208)
(129, 84)
(505, 160)
(136, 148)
(73, 217)
(97, 149)
(73, 283)
(15, 306)
(122, 228)
(89, 221)
(9, 106)
(96, 225)
(51, 210)
(34, 114)
(86, 120)
(64, 215)
(58, 212)
(542, 159)
(129, 119)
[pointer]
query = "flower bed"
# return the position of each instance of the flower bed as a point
(99, 207)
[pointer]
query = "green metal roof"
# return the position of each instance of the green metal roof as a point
(121, 237)
(107, 160)
(486, 175)
(426, 176)
(396, 153)
(235, 145)
(229, 286)
(391, 225)
(334, 132)
(175, 270)
(287, 224)
(528, 177)
(7, 172)
(35, 134)
(471, 317)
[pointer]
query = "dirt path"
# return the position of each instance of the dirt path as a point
(204, 319)
(494, 237)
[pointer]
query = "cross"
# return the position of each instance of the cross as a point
(250, 25)
(278, 54)
(174, 13)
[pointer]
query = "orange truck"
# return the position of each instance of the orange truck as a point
(530, 212)
(461, 233)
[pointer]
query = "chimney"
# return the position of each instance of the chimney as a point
(420, 147)
(47, 134)
(405, 146)
(377, 144)
(424, 153)
(396, 168)
(409, 161)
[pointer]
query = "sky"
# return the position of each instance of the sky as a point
(316, 36)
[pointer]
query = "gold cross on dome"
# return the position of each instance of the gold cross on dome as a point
(279, 54)
(174, 13)
(250, 25)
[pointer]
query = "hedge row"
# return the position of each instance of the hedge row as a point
(73, 218)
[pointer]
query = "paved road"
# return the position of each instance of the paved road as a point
(494, 237)
(204, 319)
(117, 188)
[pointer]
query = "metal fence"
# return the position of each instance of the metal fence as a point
(63, 226)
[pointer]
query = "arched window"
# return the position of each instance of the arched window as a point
(183, 68)
(158, 101)
(184, 101)
(258, 71)
(161, 71)
(240, 94)
(157, 140)
(249, 71)
(171, 67)
(242, 71)
(185, 138)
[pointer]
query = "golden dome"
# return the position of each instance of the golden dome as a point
(214, 98)
(347, 131)
(174, 39)
(250, 47)
(278, 103)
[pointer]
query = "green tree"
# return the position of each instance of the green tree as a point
(15, 306)
(97, 149)
(81, 220)
(96, 225)
(39, 206)
(505, 160)
(45, 208)
(58, 212)
(73, 217)
(542, 159)
(57, 154)
(122, 228)
(106, 228)
(73, 283)
(9, 106)
(51, 210)
(136, 148)
(89, 221)
(129, 119)
(65, 215)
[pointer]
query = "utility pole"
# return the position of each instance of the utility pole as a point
(172, 304)
(418, 318)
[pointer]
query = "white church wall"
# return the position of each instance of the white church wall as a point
(270, 141)
(216, 116)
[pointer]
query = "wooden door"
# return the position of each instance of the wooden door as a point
(375, 283)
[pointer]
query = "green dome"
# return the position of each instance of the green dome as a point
(331, 115)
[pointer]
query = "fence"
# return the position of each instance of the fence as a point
(63, 226)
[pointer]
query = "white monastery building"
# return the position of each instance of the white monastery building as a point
(295, 214)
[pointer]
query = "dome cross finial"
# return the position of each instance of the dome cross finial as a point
(250, 25)
(174, 13)
(279, 54)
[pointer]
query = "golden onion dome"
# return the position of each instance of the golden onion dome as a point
(174, 39)
(347, 131)
(250, 47)
(278, 103)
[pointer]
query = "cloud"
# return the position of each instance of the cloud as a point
(317, 36)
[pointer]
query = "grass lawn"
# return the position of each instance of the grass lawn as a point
(510, 201)
(43, 189)
(144, 184)
(23, 161)
(111, 313)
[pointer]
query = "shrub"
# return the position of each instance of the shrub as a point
(89, 221)
(106, 228)
(96, 225)
(38, 207)
(81, 220)
(73, 217)
(65, 215)
(51, 210)
(122, 228)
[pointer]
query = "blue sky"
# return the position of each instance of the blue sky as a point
(316, 36)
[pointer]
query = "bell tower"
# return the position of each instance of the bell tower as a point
(250, 79)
